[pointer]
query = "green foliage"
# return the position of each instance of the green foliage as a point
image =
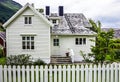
(104, 45)
(1, 52)
(18, 59)
(86, 57)
(39, 62)
(2, 61)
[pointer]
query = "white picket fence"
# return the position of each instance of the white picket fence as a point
(61, 73)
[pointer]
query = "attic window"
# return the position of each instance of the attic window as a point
(28, 20)
(54, 21)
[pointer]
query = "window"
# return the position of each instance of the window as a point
(55, 42)
(28, 20)
(28, 42)
(54, 21)
(80, 41)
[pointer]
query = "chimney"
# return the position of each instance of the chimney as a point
(47, 10)
(32, 4)
(61, 11)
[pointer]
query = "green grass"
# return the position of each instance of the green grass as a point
(2, 61)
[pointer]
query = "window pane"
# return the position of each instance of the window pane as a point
(23, 38)
(28, 38)
(84, 40)
(30, 20)
(80, 40)
(28, 45)
(54, 21)
(28, 42)
(76, 41)
(32, 45)
(26, 19)
(55, 42)
(23, 45)
(32, 38)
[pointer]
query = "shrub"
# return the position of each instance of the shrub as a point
(18, 59)
(2, 61)
(39, 62)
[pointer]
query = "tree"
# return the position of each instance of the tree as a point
(103, 49)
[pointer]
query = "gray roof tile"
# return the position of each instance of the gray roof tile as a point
(72, 24)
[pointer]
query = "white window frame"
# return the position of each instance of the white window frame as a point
(80, 41)
(27, 20)
(56, 42)
(28, 42)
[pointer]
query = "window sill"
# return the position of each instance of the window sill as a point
(28, 50)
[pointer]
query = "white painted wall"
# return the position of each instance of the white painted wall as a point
(38, 27)
(69, 42)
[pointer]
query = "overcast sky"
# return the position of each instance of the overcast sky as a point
(107, 11)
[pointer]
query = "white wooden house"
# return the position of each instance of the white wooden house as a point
(41, 36)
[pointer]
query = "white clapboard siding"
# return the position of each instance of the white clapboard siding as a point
(61, 73)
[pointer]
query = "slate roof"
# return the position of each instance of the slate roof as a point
(71, 24)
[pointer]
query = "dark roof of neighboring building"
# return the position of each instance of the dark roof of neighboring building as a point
(71, 24)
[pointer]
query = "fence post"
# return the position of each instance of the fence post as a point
(1, 74)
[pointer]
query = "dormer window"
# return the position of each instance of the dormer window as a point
(28, 20)
(54, 21)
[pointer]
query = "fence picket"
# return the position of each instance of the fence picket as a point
(23, 73)
(64, 73)
(99, 73)
(119, 72)
(32, 73)
(46, 74)
(108, 76)
(73, 73)
(111, 73)
(68, 73)
(41, 74)
(77, 74)
(82, 73)
(103, 73)
(14, 73)
(90, 73)
(55, 73)
(5, 73)
(95, 73)
(37, 74)
(86, 73)
(18, 73)
(28, 73)
(1, 73)
(9, 74)
(116, 72)
(50, 75)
